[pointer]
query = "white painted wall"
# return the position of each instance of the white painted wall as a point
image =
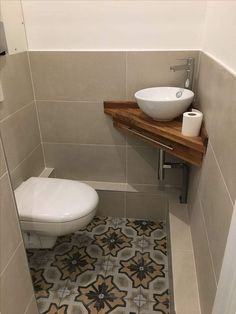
(114, 25)
(12, 16)
(220, 32)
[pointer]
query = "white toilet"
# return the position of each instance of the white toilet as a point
(50, 207)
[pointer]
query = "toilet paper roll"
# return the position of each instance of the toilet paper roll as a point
(192, 122)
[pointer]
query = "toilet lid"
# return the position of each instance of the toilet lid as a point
(54, 200)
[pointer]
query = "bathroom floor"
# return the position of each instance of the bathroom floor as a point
(115, 265)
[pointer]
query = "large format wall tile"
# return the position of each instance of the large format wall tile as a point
(215, 182)
(16, 284)
(87, 162)
(149, 69)
(78, 75)
(146, 206)
(32, 166)
(111, 203)
(204, 266)
(217, 208)
(217, 99)
(142, 164)
(77, 122)
(20, 135)
(16, 83)
(10, 236)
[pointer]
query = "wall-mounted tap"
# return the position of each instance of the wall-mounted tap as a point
(189, 68)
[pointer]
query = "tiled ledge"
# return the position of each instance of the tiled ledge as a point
(185, 285)
(165, 190)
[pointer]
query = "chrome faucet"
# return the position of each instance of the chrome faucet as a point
(189, 68)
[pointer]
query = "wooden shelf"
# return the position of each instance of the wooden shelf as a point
(166, 135)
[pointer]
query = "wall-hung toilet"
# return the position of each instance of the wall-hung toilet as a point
(50, 207)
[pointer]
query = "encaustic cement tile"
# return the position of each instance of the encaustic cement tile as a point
(114, 265)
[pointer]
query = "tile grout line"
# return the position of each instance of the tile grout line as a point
(32, 81)
(126, 75)
(208, 242)
(221, 174)
(62, 296)
(40, 131)
(82, 144)
(36, 107)
(17, 111)
(1, 177)
(25, 158)
(93, 101)
(28, 305)
(11, 258)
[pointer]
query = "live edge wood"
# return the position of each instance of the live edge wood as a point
(166, 134)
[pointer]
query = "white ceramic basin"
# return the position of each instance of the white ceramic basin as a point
(164, 103)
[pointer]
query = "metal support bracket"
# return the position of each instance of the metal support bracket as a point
(162, 166)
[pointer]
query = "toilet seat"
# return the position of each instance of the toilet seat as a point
(50, 200)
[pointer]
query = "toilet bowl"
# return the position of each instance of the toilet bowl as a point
(50, 207)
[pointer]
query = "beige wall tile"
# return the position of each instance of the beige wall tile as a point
(217, 208)
(194, 177)
(142, 164)
(78, 75)
(32, 166)
(111, 203)
(149, 69)
(16, 284)
(87, 162)
(10, 230)
(173, 177)
(20, 135)
(77, 122)
(208, 85)
(218, 102)
(146, 206)
(216, 97)
(16, 83)
(2, 161)
(204, 266)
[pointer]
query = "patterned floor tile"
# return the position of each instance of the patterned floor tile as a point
(160, 306)
(124, 283)
(157, 286)
(143, 227)
(96, 224)
(112, 241)
(53, 275)
(87, 277)
(50, 304)
(141, 269)
(114, 265)
(41, 285)
(100, 296)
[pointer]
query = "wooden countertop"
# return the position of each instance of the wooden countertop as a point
(163, 134)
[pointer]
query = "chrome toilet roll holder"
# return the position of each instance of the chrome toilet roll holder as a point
(162, 166)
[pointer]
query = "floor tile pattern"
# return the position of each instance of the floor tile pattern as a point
(114, 265)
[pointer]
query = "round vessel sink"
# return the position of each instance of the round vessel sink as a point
(164, 103)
